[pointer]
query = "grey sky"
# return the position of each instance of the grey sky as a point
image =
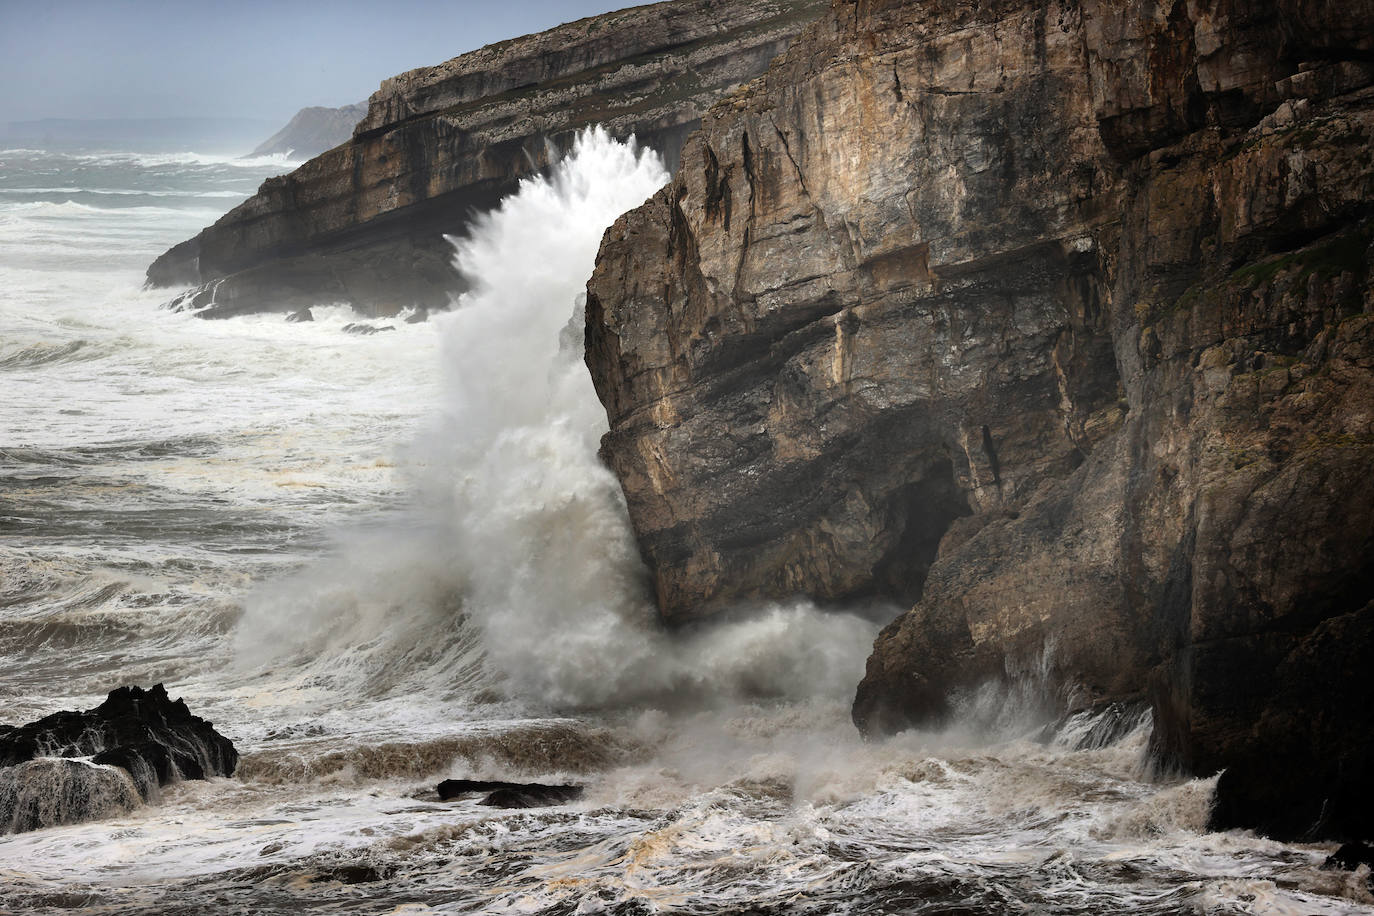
(246, 59)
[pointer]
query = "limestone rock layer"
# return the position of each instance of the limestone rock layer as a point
(364, 222)
(1052, 322)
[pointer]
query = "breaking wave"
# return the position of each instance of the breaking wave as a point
(516, 569)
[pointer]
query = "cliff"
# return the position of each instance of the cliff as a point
(364, 222)
(312, 131)
(1053, 322)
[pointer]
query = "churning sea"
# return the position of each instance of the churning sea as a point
(376, 561)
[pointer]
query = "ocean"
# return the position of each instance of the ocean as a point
(377, 561)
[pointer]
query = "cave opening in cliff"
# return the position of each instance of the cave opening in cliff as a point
(923, 511)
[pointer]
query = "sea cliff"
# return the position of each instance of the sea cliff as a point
(311, 131)
(364, 222)
(1053, 323)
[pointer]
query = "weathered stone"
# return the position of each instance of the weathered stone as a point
(153, 737)
(1046, 318)
(364, 223)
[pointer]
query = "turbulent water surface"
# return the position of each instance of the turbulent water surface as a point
(378, 561)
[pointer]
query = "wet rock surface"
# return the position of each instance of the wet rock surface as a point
(152, 738)
(509, 794)
(1053, 323)
(364, 223)
(1351, 856)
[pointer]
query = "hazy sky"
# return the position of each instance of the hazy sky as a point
(238, 58)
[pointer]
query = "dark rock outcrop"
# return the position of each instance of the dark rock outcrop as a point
(311, 131)
(1056, 321)
(364, 223)
(151, 738)
(510, 794)
(1351, 856)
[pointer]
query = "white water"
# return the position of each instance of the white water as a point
(378, 561)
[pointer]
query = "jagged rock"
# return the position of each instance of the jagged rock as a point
(300, 316)
(366, 329)
(49, 792)
(510, 794)
(1044, 319)
(144, 732)
(364, 223)
(311, 131)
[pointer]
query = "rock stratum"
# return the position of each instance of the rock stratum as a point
(1053, 322)
(364, 223)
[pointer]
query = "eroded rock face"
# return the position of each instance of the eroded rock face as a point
(1054, 320)
(364, 222)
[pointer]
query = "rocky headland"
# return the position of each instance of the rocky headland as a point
(364, 223)
(1052, 322)
(311, 131)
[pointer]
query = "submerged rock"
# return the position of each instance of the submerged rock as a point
(300, 316)
(1350, 857)
(510, 794)
(366, 329)
(51, 791)
(142, 735)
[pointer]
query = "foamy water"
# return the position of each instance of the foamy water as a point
(378, 561)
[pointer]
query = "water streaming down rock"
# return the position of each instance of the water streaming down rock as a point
(51, 791)
(76, 766)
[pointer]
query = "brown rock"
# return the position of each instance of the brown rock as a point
(364, 222)
(1081, 272)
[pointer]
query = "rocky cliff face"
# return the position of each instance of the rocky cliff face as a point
(311, 131)
(364, 222)
(1052, 321)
